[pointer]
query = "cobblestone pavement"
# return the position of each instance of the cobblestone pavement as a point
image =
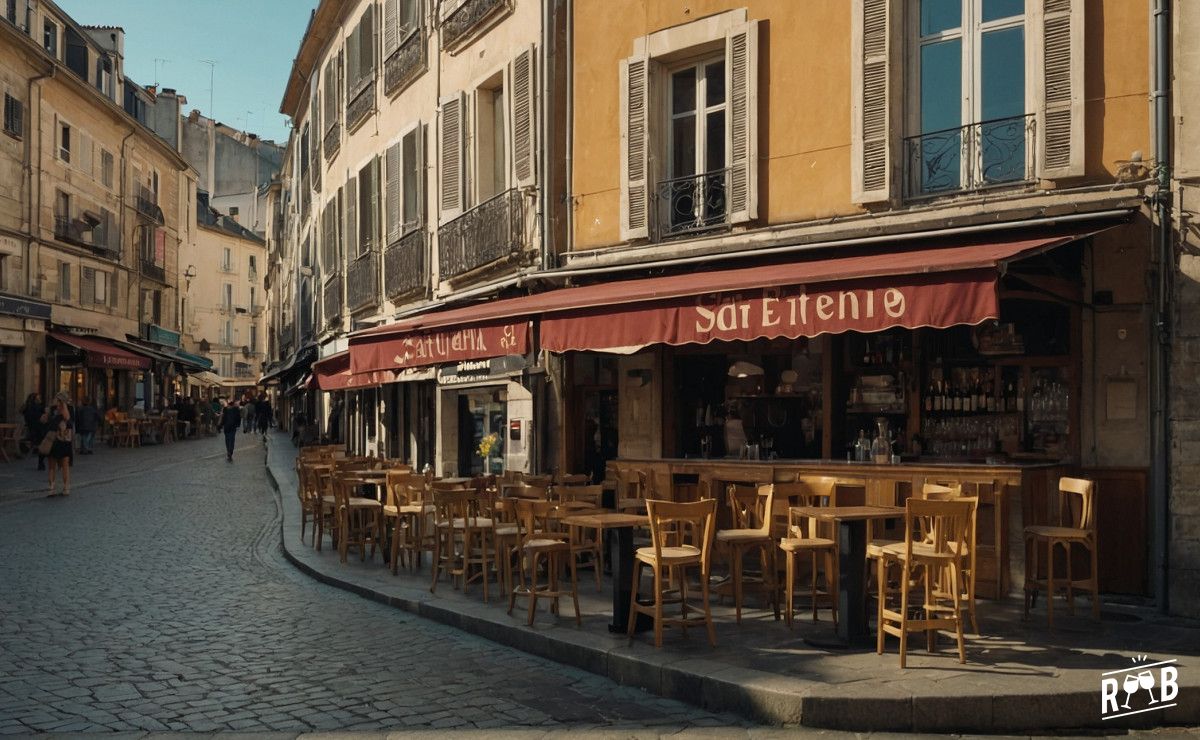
(154, 598)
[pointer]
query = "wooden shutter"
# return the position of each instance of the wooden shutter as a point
(1058, 39)
(741, 135)
(391, 26)
(87, 286)
(392, 175)
(524, 119)
(352, 245)
(451, 156)
(635, 104)
(872, 33)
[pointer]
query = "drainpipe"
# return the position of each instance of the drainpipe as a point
(35, 182)
(1160, 354)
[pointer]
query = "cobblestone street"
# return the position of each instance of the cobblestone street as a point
(154, 598)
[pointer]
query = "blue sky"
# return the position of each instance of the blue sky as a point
(253, 43)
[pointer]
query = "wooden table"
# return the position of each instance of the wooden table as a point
(8, 438)
(853, 627)
(620, 557)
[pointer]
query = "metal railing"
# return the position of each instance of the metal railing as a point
(331, 301)
(972, 157)
(491, 231)
(466, 17)
(362, 281)
(690, 204)
(405, 63)
(362, 103)
(404, 271)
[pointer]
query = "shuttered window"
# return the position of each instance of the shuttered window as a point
(524, 141)
(450, 166)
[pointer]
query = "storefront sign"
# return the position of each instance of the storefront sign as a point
(439, 347)
(20, 307)
(480, 371)
(788, 312)
(159, 335)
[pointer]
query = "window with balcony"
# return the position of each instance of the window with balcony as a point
(689, 129)
(14, 116)
(969, 120)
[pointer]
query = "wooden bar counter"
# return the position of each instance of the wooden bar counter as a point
(1010, 494)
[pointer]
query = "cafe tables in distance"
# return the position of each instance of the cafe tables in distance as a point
(853, 629)
(620, 555)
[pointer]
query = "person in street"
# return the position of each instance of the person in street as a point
(87, 421)
(247, 415)
(62, 450)
(231, 420)
(35, 428)
(262, 408)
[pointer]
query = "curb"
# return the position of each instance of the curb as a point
(771, 698)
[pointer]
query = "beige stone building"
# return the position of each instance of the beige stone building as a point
(93, 218)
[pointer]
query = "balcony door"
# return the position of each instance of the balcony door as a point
(971, 117)
(693, 195)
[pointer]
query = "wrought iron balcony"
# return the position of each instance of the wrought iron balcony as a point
(331, 301)
(333, 140)
(404, 271)
(691, 204)
(491, 231)
(405, 63)
(146, 203)
(361, 103)
(973, 157)
(467, 17)
(362, 282)
(151, 270)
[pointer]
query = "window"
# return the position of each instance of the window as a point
(368, 207)
(403, 184)
(14, 116)
(64, 281)
(64, 142)
(106, 168)
(968, 125)
(50, 37)
(690, 130)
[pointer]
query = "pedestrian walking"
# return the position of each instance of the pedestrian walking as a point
(62, 449)
(87, 422)
(34, 413)
(231, 420)
(247, 415)
(262, 409)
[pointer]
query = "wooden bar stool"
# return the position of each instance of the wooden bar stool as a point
(1077, 526)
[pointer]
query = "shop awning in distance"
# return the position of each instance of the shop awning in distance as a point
(101, 353)
(936, 286)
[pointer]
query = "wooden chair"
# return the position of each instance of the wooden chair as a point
(584, 540)
(935, 537)
(752, 508)
(538, 544)
(806, 536)
(681, 537)
(1077, 526)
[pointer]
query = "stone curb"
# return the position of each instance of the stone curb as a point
(771, 698)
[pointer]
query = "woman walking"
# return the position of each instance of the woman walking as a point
(62, 450)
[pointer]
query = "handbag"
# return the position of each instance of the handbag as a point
(47, 444)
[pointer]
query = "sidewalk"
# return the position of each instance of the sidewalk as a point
(1019, 676)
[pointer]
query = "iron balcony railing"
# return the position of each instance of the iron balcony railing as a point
(404, 271)
(491, 231)
(972, 157)
(331, 301)
(362, 282)
(405, 63)
(465, 18)
(361, 103)
(691, 204)
(333, 140)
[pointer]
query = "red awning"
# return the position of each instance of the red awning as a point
(99, 352)
(333, 374)
(937, 286)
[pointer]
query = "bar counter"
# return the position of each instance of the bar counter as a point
(1011, 493)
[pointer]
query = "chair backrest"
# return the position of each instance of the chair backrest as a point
(752, 505)
(1077, 503)
(674, 523)
(943, 526)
